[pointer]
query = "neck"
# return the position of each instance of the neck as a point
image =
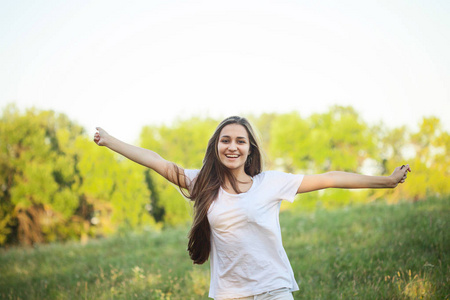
(243, 183)
(241, 177)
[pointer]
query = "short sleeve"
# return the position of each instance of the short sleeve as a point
(190, 177)
(287, 184)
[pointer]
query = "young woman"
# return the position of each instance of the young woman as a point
(236, 208)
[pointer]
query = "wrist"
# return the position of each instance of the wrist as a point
(391, 182)
(108, 141)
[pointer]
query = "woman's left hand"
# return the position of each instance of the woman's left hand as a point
(400, 173)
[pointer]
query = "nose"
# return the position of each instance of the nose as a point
(232, 146)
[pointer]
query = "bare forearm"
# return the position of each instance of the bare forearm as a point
(139, 155)
(358, 181)
(145, 157)
(344, 180)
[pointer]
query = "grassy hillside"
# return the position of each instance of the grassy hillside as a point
(375, 251)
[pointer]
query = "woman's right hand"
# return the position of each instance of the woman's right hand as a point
(400, 173)
(145, 157)
(100, 136)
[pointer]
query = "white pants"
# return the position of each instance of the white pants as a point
(279, 294)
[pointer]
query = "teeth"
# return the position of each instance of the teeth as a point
(232, 156)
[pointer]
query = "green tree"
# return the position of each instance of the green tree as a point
(392, 144)
(38, 177)
(183, 143)
(263, 126)
(431, 162)
(426, 152)
(113, 188)
(57, 184)
(336, 140)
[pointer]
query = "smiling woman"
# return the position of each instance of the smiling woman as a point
(234, 147)
(236, 207)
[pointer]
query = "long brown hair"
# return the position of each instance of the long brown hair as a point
(211, 177)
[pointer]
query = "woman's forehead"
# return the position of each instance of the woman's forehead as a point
(234, 130)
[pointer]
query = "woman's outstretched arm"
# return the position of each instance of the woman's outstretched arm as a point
(142, 156)
(336, 179)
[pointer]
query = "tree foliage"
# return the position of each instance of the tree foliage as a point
(184, 143)
(56, 184)
(37, 176)
(335, 140)
(430, 147)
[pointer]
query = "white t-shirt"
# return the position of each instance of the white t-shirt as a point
(247, 255)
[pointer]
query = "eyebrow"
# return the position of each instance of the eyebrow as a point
(239, 137)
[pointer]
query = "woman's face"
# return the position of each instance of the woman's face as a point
(233, 146)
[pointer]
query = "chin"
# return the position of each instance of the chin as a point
(234, 167)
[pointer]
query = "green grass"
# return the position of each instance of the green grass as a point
(375, 251)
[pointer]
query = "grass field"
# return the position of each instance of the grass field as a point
(376, 251)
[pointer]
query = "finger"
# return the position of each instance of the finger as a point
(406, 167)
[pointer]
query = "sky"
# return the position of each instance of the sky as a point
(122, 65)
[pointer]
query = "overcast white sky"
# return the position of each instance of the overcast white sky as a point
(125, 64)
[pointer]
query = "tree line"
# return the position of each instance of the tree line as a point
(56, 184)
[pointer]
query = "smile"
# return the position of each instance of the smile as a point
(232, 156)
